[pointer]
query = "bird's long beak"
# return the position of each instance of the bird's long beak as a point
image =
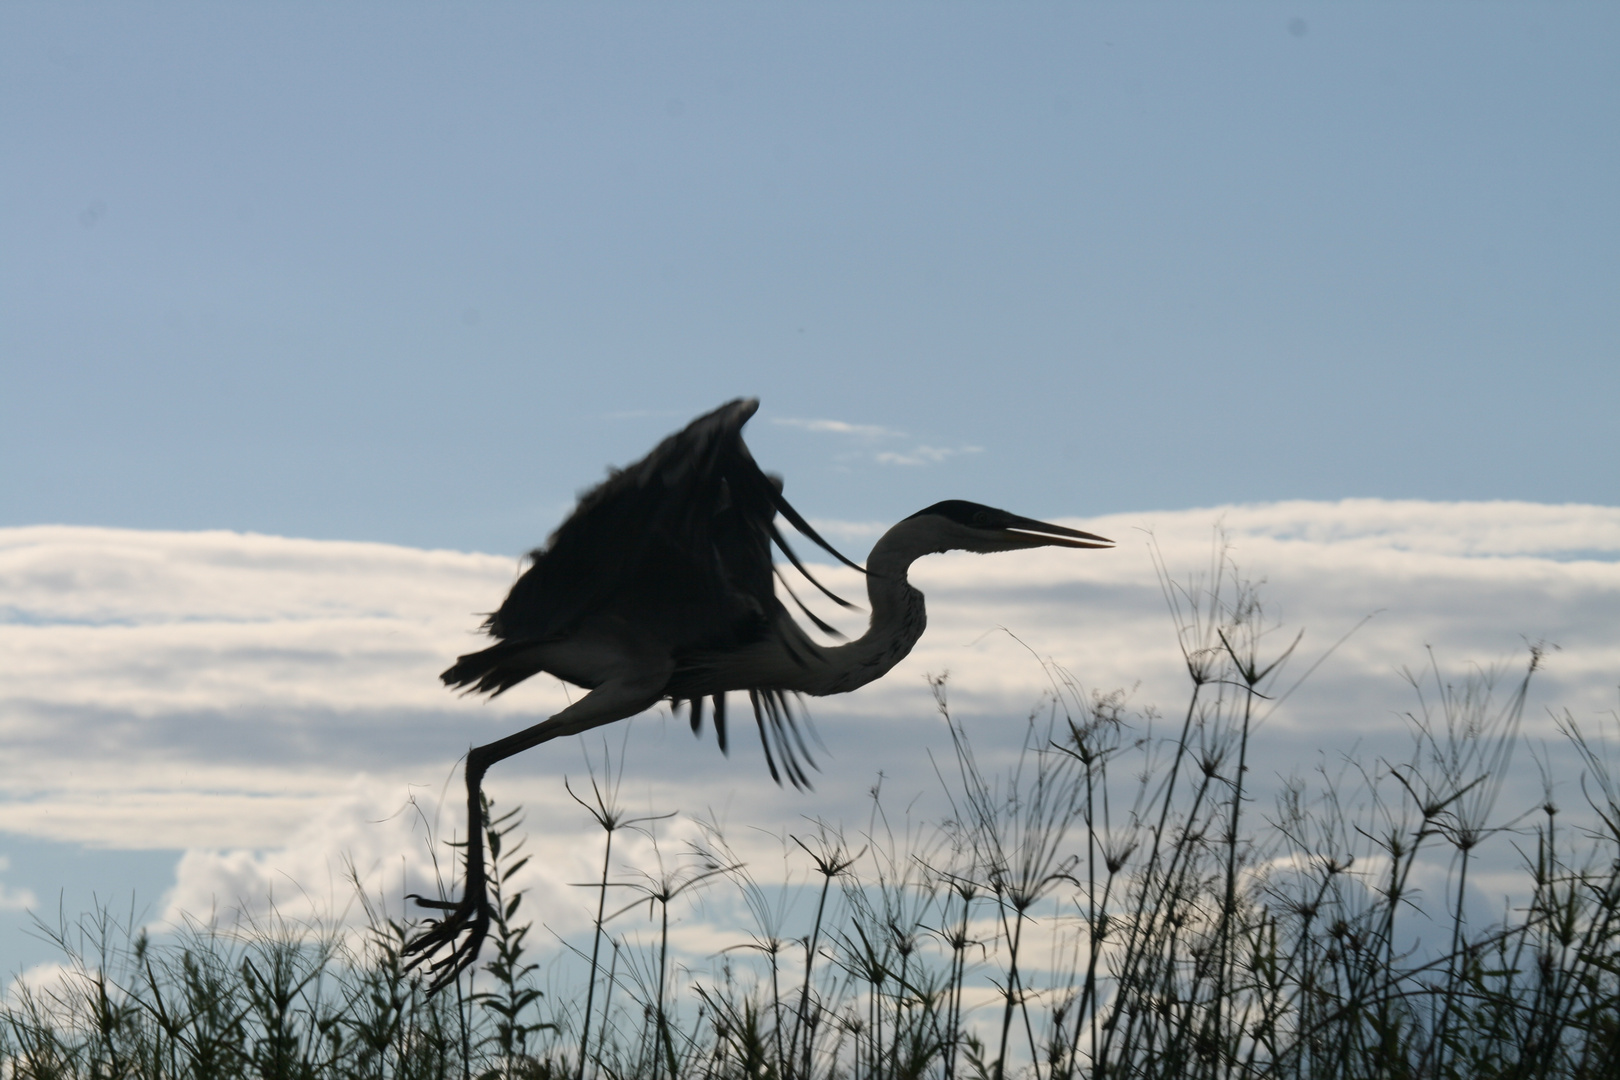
(1027, 532)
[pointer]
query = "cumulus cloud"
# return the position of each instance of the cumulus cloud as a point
(272, 705)
(367, 835)
(45, 983)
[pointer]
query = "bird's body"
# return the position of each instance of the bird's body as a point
(660, 587)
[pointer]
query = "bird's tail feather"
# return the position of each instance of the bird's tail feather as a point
(494, 670)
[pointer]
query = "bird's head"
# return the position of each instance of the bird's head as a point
(959, 525)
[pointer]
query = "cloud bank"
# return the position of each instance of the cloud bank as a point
(272, 705)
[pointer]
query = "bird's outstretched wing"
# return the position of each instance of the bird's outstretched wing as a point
(677, 545)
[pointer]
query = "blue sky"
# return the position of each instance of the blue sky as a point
(416, 274)
(413, 275)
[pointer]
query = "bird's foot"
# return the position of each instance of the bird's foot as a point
(470, 917)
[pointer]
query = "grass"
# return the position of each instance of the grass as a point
(1110, 904)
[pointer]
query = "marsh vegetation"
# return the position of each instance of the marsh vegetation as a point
(1112, 903)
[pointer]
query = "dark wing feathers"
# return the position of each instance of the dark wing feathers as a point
(803, 526)
(679, 544)
(720, 723)
(773, 714)
(604, 547)
(821, 624)
(682, 538)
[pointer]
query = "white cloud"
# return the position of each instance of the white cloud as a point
(921, 454)
(367, 832)
(924, 455)
(45, 983)
(272, 704)
(14, 899)
(839, 427)
(850, 530)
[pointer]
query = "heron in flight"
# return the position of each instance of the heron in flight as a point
(659, 587)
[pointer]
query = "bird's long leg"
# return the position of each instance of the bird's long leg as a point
(615, 699)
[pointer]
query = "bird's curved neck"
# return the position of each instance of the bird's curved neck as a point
(898, 614)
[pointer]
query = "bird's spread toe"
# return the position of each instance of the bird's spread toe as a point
(470, 917)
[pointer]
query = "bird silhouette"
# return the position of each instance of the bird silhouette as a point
(659, 587)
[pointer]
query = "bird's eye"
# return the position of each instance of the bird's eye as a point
(981, 518)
